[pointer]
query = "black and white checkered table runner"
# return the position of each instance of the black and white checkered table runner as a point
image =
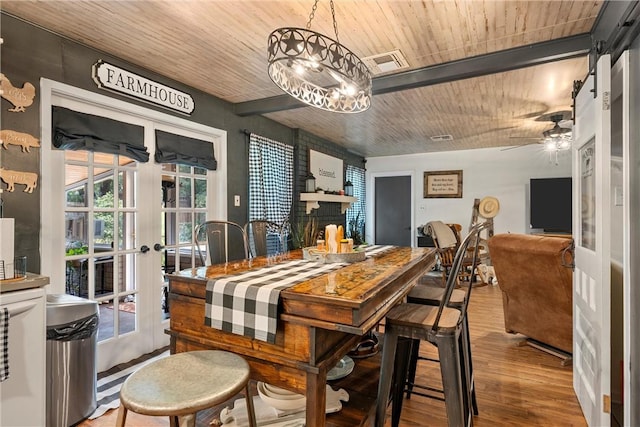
(4, 343)
(247, 303)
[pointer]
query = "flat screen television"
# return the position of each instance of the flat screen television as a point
(550, 204)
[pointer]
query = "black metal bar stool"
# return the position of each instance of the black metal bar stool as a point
(432, 296)
(441, 325)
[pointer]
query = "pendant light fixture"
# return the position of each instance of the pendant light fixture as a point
(317, 69)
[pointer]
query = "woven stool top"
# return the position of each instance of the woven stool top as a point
(185, 383)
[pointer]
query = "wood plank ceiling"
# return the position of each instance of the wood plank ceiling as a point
(219, 47)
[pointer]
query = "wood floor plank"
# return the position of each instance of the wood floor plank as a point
(516, 385)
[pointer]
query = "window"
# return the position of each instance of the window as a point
(355, 214)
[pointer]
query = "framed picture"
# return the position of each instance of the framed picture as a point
(443, 184)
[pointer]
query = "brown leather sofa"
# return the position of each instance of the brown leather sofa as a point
(535, 275)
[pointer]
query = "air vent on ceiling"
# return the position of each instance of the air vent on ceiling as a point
(386, 62)
(439, 138)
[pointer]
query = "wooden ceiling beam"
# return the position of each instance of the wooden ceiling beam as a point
(476, 66)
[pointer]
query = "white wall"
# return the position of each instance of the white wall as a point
(494, 172)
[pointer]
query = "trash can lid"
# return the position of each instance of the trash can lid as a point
(62, 309)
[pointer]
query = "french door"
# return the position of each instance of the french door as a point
(112, 227)
(591, 222)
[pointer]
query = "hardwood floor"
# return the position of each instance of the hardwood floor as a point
(516, 385)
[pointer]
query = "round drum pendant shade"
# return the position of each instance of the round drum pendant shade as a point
(318, 71)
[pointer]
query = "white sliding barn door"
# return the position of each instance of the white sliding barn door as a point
(591, 279)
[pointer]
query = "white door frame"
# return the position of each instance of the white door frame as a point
(52, 238)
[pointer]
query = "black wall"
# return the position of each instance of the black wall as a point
(30, 53)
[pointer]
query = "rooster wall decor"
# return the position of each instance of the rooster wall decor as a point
(21, 98)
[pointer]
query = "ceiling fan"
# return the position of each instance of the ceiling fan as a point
(557, 138)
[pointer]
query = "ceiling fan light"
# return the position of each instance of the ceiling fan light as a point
(550, 145)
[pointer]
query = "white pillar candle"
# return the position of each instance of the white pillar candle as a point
(6, 246)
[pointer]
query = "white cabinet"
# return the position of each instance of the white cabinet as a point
(22, 395)
(313, 200)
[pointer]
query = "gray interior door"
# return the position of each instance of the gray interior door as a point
(393, 210)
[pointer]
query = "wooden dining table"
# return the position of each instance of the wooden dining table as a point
(319, 320)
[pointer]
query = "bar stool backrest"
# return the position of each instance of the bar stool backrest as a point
(219, 241)
(461, 256)
(264, 237)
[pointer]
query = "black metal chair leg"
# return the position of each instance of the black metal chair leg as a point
(386, 373)
(413, 365)
(403, 353)
(450, 367)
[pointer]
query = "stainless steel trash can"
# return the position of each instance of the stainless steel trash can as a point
(72, 324)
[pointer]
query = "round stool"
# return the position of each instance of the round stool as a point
(182, 384)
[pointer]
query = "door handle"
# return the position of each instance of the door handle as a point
(144, 249)
(158, 247)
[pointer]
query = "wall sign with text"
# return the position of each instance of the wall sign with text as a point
(443, 184)
(327, 170)
(114, 78)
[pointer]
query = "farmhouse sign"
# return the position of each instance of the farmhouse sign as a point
(110, 77)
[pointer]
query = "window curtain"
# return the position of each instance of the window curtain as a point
(177, 149)
(79, 131)
(270, 179)
(355, 214)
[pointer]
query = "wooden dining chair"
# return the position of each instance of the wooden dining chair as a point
(219, 241)
(264, 237)
(442, 326)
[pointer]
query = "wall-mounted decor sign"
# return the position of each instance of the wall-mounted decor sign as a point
(327, 170)
(11, 178)
(443, 184)
(24, 140)
(20, 97)
(114, 78)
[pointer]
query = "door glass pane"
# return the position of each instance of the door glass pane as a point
(103, 231)
(75, 181)
(76, 232)
(200, 193)
(77, 273)
(170, 229)
(199, 171)
(76, 156)
(103, 275)
(103, 189)
(184, 169)
(588, 195)
(185, 227)
(126, 188)
(106, 328)
(127, 314)
(170, 167)
(169, 191)
(200, 218)
(185, 192)
(126, 272)
(126, 230)
(103, 158)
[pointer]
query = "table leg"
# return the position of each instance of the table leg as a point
(316, 399)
